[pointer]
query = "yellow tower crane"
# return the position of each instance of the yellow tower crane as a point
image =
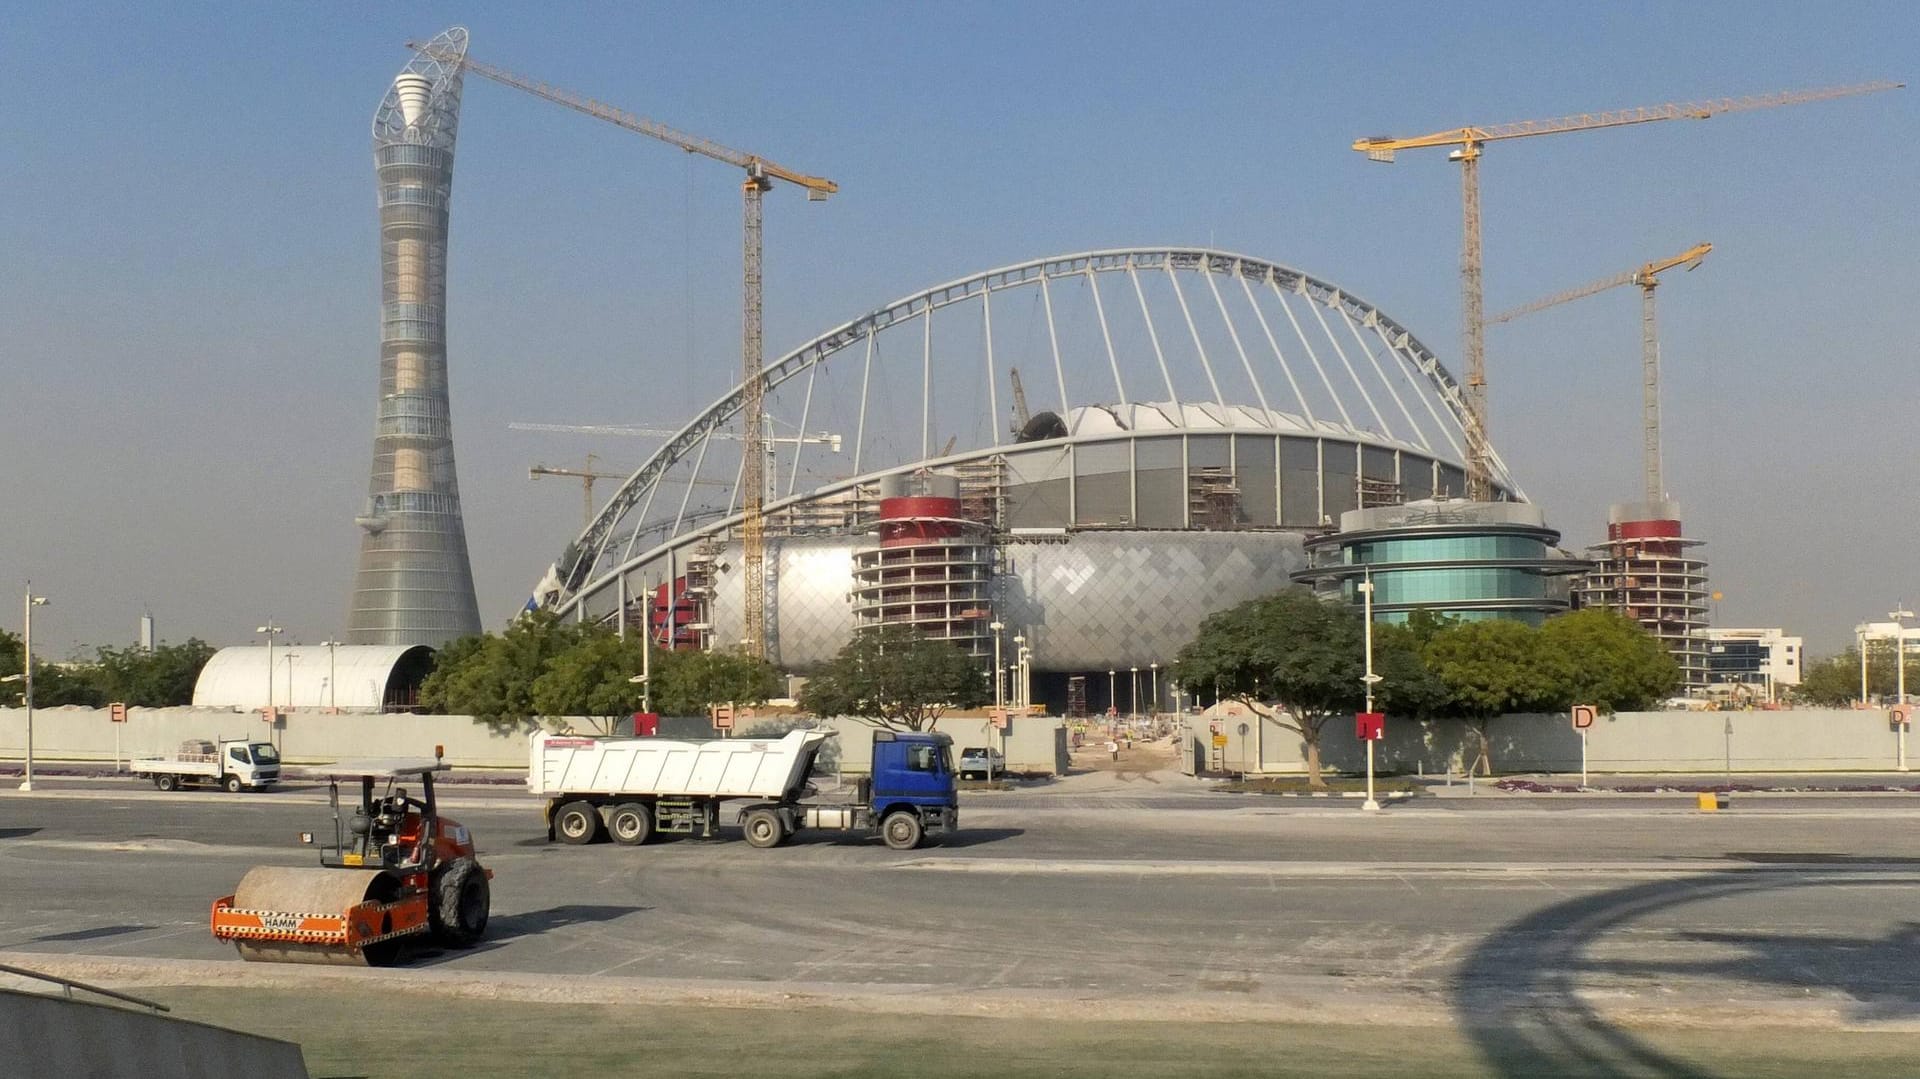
(761, 174)
(1648, 278)
(1467, 142)
(586, 476)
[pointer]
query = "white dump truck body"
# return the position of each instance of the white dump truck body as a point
(707, 768)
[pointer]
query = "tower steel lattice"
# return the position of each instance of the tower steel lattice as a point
(414, 584)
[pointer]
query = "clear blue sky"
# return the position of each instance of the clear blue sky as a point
(188, 299)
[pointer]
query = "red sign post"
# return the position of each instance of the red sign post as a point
(1370, 726)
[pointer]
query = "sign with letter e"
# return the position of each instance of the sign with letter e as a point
(117, 712)
(1584, 715)
(1369, 726)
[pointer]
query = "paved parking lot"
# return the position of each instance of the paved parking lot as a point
(1114, 898)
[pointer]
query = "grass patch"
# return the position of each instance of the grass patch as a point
(422, 1036)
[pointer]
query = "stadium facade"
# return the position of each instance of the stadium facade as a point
(414, 584)
(1206, 415)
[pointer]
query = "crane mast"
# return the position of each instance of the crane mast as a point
(586, 476)
(759, 179)
(1648, 278)
(1467, 143)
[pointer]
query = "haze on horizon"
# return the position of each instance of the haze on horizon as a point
(189, 307)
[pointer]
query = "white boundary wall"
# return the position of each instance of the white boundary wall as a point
(1033, 744)
(1811, 740)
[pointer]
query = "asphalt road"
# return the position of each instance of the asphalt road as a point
(1601, 913)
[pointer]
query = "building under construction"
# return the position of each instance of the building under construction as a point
(1645, 571)
(1196, 417)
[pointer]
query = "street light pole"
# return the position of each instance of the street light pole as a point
(1368, 679)
(270, 631)
(1862, 635)
(1025, 663)
(999, 696)
(26, 783)
(1133, 692)
(1153, 700)
(1113, 695)
(1900, 675)
(333, 679)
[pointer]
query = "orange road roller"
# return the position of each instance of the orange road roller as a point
(398, 873)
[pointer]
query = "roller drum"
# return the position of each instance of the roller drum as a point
(312, 891)
(324, 892)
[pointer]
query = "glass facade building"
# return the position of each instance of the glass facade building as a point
(1467, 560)
(414, 584)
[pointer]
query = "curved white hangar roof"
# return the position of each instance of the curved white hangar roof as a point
(357, 677)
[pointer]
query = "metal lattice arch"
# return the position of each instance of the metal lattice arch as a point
(1193, 416)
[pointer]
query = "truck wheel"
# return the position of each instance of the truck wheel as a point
(166, 782)
(764, 828)
(232, 784)
(630, 824)
(461, 901)
(577, 823)
(901, 829)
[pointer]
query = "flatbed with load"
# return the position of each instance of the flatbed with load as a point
(233, 764)
(630, 789)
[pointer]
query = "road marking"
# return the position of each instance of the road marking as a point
(1520, 871)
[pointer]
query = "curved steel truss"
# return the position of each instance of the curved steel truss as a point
(1188, 327)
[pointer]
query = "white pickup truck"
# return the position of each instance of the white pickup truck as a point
(233, 764)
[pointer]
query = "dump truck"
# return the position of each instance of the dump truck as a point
(233, 764)
(632, 789)
(397, 873)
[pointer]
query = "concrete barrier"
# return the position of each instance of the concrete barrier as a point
(52, 1035)
(1806, 740)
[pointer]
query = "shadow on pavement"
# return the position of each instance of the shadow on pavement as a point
(1768, 857)
(1519, 995)
(976, 837)
(92, 934)
(508, 926)
(965, 837)
(16, 833)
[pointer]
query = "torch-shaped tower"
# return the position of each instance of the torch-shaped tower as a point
(414, 584)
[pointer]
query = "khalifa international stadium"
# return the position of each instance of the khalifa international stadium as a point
(1090, 452)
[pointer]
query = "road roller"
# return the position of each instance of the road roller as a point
(397, 874)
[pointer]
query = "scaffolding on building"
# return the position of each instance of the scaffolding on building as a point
(1651, 579)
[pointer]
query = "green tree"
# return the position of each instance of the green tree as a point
(1491, 668)
(1291, 658)
(161, 678)
(1606, 659)
(490, 676)
(895, 677)
(690, 683)
(1835, 682)
(592, 678)
(55, 685)
(1407, 688)
(1831, 683)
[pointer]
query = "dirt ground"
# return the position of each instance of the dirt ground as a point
(1142, 756)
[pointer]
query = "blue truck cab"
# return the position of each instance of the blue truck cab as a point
(912, 794)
